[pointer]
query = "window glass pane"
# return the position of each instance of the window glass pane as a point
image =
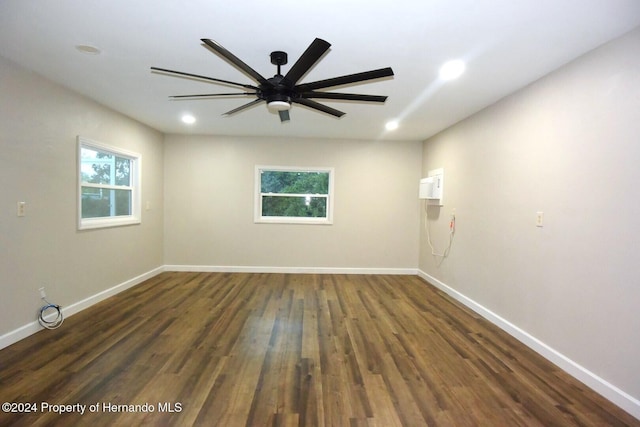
(100, 202)
(123, 171)
(99, 167)
(95, 166)
(294, 182)
(284, 206)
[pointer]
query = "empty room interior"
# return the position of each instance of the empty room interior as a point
(320, 213)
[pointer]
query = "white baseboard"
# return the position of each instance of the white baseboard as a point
(599, 385)
(33, 327)
(293, 270)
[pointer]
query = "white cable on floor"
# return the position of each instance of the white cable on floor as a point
(55, 323)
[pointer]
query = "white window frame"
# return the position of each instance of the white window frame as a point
(134, 186)
(259, 218)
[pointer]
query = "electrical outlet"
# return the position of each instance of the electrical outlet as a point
(22, 208)
(43, 294)
(539, 219)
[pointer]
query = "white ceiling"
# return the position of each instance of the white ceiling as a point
(507, 44)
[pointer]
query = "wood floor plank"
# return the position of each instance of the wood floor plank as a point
(242, 349)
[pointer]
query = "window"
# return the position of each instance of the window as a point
(294, 195)
(108, 185)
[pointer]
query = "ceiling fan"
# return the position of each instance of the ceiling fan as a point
(280, 91)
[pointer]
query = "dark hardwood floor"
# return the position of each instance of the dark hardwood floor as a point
(222, 349)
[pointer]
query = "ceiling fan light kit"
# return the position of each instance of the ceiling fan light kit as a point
(278, 105)
(281, 91)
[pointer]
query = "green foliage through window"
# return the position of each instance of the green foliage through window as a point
(294, 182)
(310, 207)
(294, 193)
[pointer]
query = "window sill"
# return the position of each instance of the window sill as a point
(94, 223)
(292, 220)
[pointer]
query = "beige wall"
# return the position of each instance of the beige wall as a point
(568, 145)
(209, 204)
(39, 122)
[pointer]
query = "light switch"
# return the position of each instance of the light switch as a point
(22, 208)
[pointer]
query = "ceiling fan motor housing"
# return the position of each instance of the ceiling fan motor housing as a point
(278, 93)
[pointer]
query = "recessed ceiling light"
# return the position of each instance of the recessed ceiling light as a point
(88, 49)
(452, 69)
(391, 125)
(188, 119)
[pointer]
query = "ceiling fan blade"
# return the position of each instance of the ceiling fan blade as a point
(242, 107)
(180, 73)
(284, 115)
(236, 62)
(316, 49)
(348, 79)
(317, 106)
(211, 95)
(344, 96)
